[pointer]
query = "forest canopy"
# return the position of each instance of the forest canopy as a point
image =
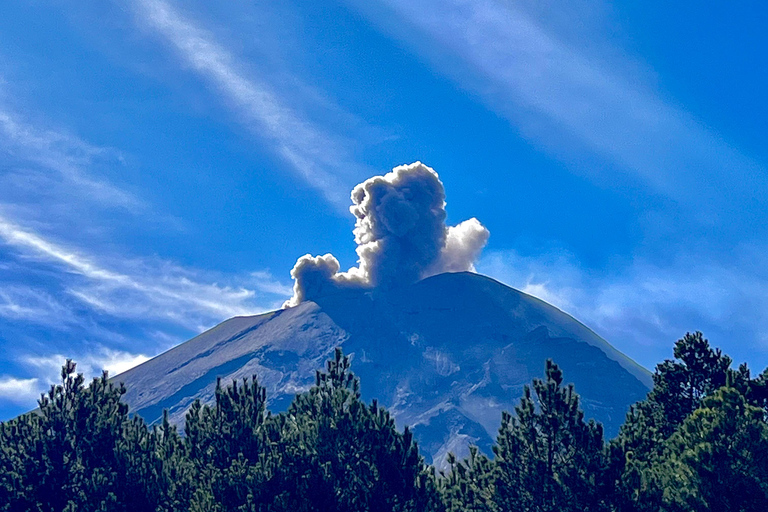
(698, 442)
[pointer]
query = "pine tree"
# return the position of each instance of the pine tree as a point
(688, 446)
(340, 454)
(549, 458)
(21, 444)
(718, 458)
(680, 386)
(470, 484)
(80, 451)
(227, 447)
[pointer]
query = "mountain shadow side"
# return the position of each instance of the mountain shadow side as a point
(445, 355)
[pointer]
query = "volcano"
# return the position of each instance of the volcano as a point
(445, 355)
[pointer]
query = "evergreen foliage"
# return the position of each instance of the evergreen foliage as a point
(80, 452)
(640, 455)
(718, 458)
(352, 457)
(698, 442)
(329, 451)
(470, 484)
(549, 458)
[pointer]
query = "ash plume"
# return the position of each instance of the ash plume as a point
(401, 237)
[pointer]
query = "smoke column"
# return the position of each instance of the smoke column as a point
(401, 237)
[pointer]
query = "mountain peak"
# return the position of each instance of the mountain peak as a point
(446, 355)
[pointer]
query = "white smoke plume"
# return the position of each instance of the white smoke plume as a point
(401, 237)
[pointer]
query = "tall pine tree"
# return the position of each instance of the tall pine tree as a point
(549, 458)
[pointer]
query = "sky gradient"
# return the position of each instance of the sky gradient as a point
(164, 163)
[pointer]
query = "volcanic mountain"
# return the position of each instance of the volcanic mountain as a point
(445, 355)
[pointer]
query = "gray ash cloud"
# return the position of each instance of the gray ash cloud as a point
(401, 237)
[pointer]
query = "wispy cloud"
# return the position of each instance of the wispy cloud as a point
(643, 307)
(47, 371)
(140, 289)
(267, 283)
(16, 236)
(318, 157)
(34, 306)
(90, 364)
(570, 103)
(45, 155)
(19, 391)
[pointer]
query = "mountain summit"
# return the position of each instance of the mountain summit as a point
(445, 355)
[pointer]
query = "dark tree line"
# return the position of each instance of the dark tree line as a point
(698, 442)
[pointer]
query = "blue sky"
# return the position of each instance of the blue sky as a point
(164, 163)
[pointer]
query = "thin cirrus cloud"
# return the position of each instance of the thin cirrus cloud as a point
(643, 308)
(56, 160)
(567, 102)
(46, 160)
(159, 290)
(315, 155)
(28, 304)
